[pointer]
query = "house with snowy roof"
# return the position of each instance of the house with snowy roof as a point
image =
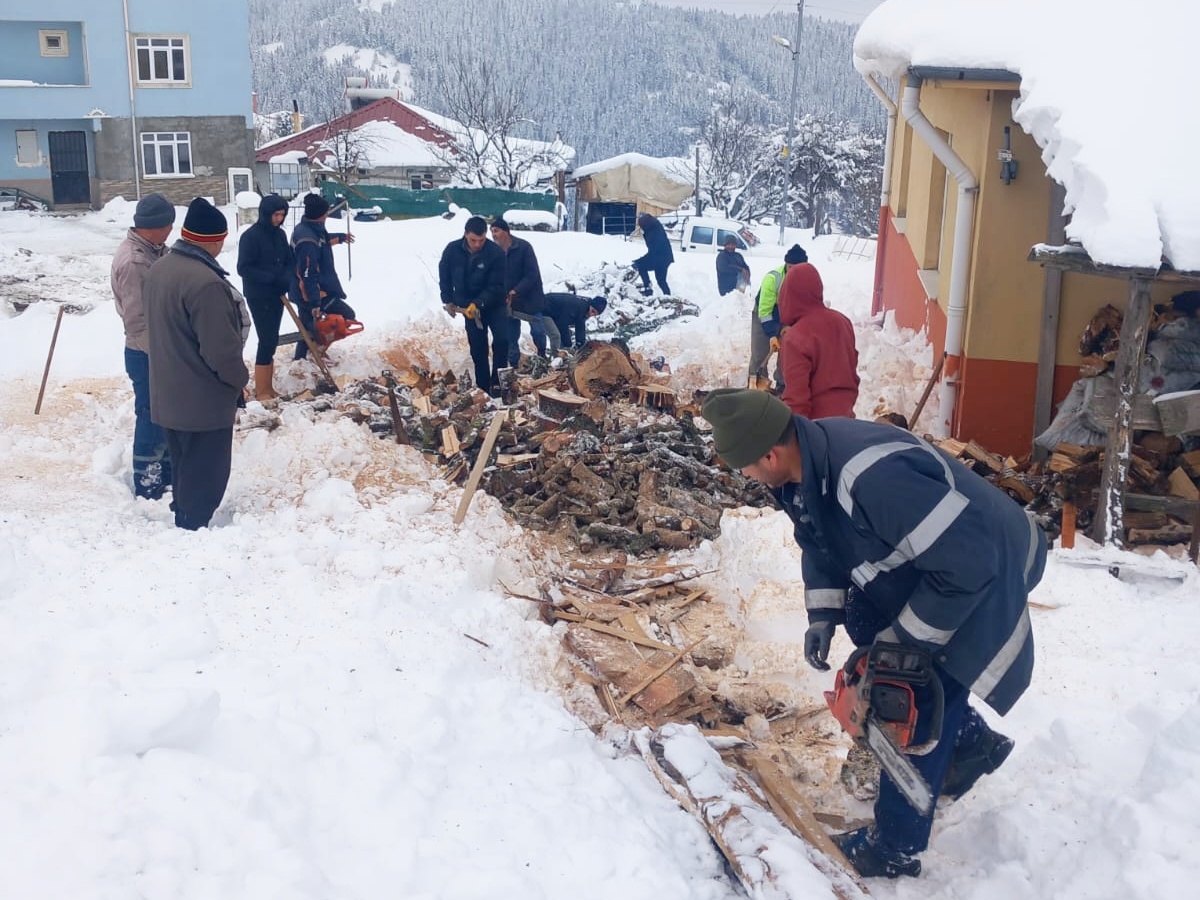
(1021, 133)
(390, 146)
(105, 99)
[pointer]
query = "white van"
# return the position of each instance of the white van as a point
(708, 235)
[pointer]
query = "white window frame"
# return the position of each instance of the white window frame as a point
(158, 141)
(48, 36)
(153, 44)
(24, 156)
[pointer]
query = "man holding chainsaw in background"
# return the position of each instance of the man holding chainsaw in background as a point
(928, 568)
(471, 278)
(316, 288)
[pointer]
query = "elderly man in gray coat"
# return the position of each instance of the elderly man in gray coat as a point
(198, 325)
(144, 245)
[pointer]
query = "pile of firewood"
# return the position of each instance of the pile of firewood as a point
(596, 450)
(1158, 467)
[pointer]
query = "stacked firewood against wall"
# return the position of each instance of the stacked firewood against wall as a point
(1165, 460)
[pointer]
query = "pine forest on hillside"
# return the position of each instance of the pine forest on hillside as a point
(610, 77)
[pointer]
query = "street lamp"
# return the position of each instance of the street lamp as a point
(793, 47)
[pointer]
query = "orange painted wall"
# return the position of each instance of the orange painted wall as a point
(903, 295)
(996, 408)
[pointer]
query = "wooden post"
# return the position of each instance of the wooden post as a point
(1108, 524)
(1067, 539)
(489, 441)
(37, 409)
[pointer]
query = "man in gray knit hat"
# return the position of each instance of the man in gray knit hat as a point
(144, 244)
(902, 545)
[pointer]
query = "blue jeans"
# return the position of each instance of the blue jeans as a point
(151, 462)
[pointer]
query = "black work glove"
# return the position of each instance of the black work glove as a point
(816, 644)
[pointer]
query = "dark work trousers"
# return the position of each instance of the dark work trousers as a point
(201, 462)
(151, 461)
(495, 321)
(642, 264)
(331, 307)
(899, 827)
(537, 331)
(267, 313)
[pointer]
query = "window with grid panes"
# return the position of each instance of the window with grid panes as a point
(166, 153)
(161, 60)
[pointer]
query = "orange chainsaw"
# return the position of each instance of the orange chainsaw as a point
(874, 700)
(333, 327)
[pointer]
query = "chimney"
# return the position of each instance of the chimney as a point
(296, 129)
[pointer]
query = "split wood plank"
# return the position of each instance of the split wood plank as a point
(657, 673)
(613, 631)
(489, 441)
(794, 810)
(450, 445)
(422, 405)
(1182, 486)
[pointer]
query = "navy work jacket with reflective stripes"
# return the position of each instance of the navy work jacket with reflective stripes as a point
(945, 556)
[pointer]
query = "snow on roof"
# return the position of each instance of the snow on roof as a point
(672, 167)
(386, 144)
(1104, 92)
(291, 156)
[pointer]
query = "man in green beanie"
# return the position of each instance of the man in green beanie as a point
(901, 544)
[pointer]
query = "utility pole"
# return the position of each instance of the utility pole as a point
(794, 47)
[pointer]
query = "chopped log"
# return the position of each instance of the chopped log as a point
(953, 447)
(991, 464)
(450, 445)
(657, 396)
(1181, 485)
(422, 405)
(1171, 532)
(1190, 462)
(602, 369)
(558, 404)
(1163, 444)
(507, 460)
(1016, 486)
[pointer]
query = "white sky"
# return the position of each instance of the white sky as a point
(287, 706)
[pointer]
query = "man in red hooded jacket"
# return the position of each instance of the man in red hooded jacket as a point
(817, 353)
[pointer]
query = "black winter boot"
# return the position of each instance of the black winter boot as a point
(970, 764)
(872, 861)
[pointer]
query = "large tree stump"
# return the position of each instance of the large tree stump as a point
(603, 369)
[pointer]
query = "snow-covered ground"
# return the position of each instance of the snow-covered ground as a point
(296, 703)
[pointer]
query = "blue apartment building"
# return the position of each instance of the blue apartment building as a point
(106, 98)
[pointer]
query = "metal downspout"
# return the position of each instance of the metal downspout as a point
(133, 134)
(960, 257)
(885, 191)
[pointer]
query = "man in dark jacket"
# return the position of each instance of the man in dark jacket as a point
(265, 261)
(731, 268)
(570, 313)
(659, 254)
(523, 287)
(144, 245)
(315, 286)
(901, 544)
(471, 279)
(198, 325)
